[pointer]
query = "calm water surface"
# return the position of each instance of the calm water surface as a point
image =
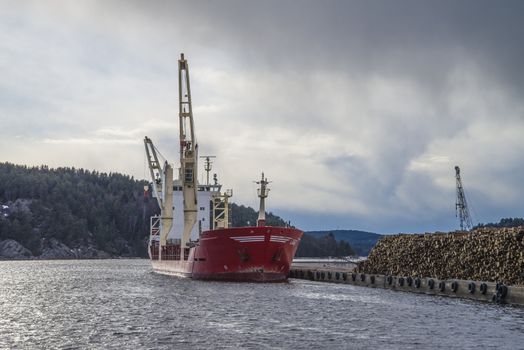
(121, 304)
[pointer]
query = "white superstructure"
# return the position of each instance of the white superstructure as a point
(203, 222)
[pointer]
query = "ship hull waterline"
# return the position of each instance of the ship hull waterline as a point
(242, 254)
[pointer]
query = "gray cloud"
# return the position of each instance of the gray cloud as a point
(357, 109)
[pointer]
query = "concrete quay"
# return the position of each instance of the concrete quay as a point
(455, 288)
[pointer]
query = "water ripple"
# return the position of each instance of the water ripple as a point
(121, 304)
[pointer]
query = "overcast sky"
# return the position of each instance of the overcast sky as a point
(357, 110)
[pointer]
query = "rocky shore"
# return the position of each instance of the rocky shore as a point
(485, 254)
(52, 249)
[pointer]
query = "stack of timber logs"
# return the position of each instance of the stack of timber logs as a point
(484, 254)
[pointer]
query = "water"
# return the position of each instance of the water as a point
(121, 304)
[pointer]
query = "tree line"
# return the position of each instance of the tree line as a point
(106, 210)
(506, 222)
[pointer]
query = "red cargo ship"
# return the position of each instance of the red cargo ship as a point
(252, 254)
(212, 250)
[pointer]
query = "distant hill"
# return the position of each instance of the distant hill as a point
(361, 241)
(323, 246)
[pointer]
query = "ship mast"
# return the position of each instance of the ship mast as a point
(162, 178)
(207, 166)
(188, 152)
(262, 194)
(461, 206)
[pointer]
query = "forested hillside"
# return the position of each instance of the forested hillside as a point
(361, 241)
(323, 246)
(82, 213)
(74, 206)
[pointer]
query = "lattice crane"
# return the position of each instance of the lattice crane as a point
(461, 206)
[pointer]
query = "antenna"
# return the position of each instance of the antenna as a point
(207, 166)
(461, 206)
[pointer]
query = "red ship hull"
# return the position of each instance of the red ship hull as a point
(243, 254)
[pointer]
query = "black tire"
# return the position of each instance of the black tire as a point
(417, 282)
(442, 286)
(454, 286)
(362, 277)
(431, 284)
(483, 288)
(503, 291)
(471, 287)
(401, 281)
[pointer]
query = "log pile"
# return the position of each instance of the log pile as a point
(484, 254)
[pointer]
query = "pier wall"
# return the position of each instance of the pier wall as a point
(485, 254)
(476, 290)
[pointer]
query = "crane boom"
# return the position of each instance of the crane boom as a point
(162, 178)
(461, 206)
(154, 169)
(188, 151)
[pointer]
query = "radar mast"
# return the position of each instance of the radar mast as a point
(207, 166)
(263, 192)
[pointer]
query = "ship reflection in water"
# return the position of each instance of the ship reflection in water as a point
(120, 304)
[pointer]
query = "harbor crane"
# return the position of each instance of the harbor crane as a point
(461, 206)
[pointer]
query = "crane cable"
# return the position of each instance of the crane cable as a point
(160, 153)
